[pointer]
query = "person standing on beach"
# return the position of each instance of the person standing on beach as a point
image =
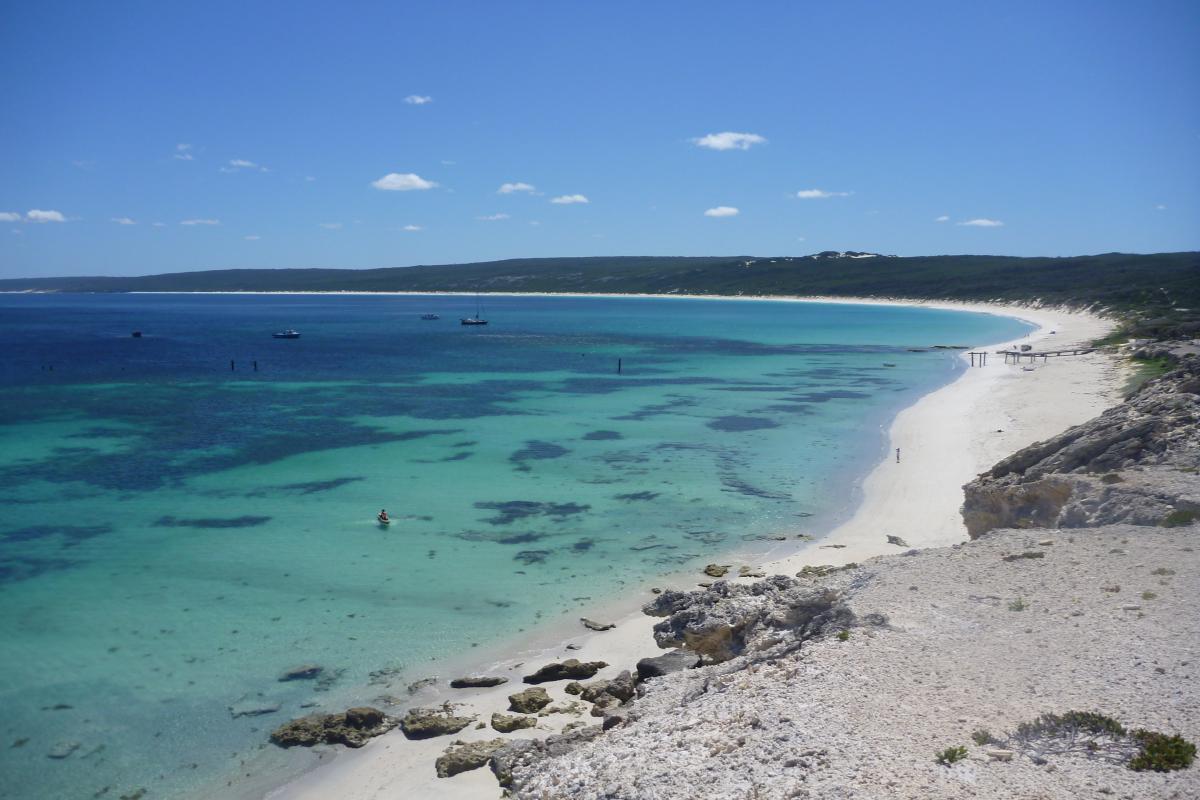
(897, 455)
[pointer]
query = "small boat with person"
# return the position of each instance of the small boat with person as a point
(288, 334)
(430, 316)
(382, 517)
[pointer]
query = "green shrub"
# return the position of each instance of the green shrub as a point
(1017, 605)
(982, 737)
(843, 636)
(1148, 595)
(1162, 753)
(1162, 571)
(1178, 518)
(951, 755)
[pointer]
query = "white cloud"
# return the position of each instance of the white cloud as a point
(819, 194)
(402, 182)
(722, 211)
(37, 215)
(200, 222)
(535, 223)
(729, 140)
(493, 217)
(9, 216)
(449, 163)
(236, 164)
(1160, 207)
(254, 237)
(159, 224)
(983, 223)
(182, 152)
(942, 218)
(329, 226)
(799, 238)
(124, 221)
(241, 162)
(413, 228)
(569, 199)
(509, 188)
(419, 99)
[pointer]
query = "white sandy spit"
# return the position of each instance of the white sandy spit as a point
(946, 439)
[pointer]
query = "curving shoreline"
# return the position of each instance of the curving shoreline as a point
(946, 438)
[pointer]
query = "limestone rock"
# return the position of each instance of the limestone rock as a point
(476, 682)
(353, 728)
(424, 723)
(716, 570)
(674, 661)
(252, 705)
(896, 540)
(750, 572)
(724, 621)
(464, 756)
(571, 669)
(63, 750)
(506, 723)
(529, 701)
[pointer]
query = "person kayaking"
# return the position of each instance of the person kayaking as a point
(383, 517)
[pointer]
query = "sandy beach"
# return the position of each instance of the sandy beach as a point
(945, 439)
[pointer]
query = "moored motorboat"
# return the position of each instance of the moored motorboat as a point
(430, 316)
(288, 334)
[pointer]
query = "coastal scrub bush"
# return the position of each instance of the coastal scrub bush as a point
(1111, 478)
(1178, 518)
(1018, 605)
(843, 636)
(1162, 753)
(1162, 571)
(951, 755)
(1148, 595)
(982, 736)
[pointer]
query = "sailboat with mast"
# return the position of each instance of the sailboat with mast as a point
(478, 318)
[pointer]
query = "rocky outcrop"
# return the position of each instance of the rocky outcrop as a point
(424, 723)
(606, 695)
(592, 625)
(464, 756)
(725, 620)
(353, 728)
(571, 669)
(1136, 463)
(521, 751)
(529, 701)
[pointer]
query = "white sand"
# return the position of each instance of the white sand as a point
(945, 439)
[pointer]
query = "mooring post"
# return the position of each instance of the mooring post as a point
(255, 366)
(618, 366)
(231, 365)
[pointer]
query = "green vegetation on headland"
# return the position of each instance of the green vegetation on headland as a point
(1116, 281)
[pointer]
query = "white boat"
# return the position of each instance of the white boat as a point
(288, 334)
(478, 318)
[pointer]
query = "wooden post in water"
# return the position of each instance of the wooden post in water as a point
(255, 366)
(618, 366)
(231, 365)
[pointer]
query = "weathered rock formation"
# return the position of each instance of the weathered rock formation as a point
(477, 682)
(674, 661)
(353, 728)
(463, 756)
(423, 723)
(725, 620)
(507, 723)
(529, 701)
(1137, 463)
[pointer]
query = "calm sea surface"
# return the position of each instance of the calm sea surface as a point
(174, 533)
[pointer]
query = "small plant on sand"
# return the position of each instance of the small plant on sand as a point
(982, 736)
(1080, 732)
(1162, 753)
(1018, 605)
(1178, 518)
(1162, 571)
(1148, 595)
(951, 755)
(843, 636)
(1111, 478)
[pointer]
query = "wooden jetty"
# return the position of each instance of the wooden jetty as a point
(1017, 355)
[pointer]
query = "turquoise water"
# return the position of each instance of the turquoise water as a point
(175, 533)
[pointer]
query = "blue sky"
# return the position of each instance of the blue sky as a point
(156, 137)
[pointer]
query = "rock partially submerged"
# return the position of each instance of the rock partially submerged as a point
(529, 701)
(716, 570)
(425, 723)
(571, 669)
(464, 756)
(476, 682)
(305, 672)
(252, 705)
(353, 728)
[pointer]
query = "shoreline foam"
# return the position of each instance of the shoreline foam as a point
(917, 499)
